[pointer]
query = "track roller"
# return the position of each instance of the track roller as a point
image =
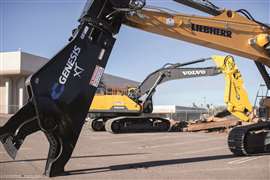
(96, 125)
(113, 126)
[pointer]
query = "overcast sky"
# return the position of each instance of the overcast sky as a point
(42, 27)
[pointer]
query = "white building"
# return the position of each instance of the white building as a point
(15, 67)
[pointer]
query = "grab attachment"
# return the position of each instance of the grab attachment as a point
(61, 92)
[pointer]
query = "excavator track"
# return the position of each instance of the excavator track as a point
(250, 139)
(130, 124)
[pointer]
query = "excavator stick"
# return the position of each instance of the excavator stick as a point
(62, 90)
(235, 95)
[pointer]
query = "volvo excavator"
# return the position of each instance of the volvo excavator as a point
(61, 92)
(133, 112)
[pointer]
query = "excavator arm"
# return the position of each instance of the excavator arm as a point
(144, 92)
(174, 72)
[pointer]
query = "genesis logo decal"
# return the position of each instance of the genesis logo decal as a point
(69, 65)
(58, 88)
(77, 70)
(57, 91)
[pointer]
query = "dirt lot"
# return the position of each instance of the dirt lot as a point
(100, 155)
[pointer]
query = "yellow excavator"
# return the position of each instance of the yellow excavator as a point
(133, 112)
(61, 92)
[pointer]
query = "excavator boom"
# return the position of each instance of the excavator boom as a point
(176, 71)
(229, 31)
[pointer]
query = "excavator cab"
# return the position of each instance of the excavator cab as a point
(262, 94)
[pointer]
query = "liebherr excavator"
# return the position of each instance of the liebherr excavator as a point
(136, 115)
(61, 92)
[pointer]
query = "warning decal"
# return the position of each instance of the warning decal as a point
(96, 76)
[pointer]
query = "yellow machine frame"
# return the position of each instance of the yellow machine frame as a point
(122, 103)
